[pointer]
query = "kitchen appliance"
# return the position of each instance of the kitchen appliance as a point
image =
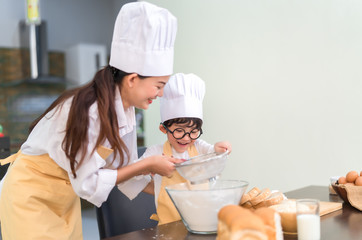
(34, 44)
(28, 97)
(83, 60)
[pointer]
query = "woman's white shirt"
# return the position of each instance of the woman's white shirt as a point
(96, 177)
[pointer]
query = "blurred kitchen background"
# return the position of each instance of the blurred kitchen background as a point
(283, 78)
(71, 43)
(38, 62)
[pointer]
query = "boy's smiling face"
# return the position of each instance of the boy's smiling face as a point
(180, 145)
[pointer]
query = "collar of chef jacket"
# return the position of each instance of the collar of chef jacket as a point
(126, 118)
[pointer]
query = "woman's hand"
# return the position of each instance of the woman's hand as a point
(221, 147)
(162, 165)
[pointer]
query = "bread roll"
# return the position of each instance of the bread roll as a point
(272, 221)
(225, 217)
(236, 223)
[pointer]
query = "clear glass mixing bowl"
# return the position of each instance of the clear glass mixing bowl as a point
(199, 207)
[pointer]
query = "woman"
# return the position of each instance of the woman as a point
(85, 142)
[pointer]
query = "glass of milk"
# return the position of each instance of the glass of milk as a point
(308, 219)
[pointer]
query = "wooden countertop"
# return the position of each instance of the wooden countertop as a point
(341, 224)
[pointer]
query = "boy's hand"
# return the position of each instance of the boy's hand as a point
(221, 147)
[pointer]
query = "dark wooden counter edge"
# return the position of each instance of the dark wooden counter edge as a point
(313, 191)
(317, 192)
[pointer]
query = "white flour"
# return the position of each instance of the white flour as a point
(199, 209)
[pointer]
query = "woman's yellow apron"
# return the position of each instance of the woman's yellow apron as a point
(166, 211)
(37, 200)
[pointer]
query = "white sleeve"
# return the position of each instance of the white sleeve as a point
(94, 180)
(96, 177)
(203, 147)
(131, 188)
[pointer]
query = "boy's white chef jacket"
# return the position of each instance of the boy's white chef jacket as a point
(130, 187)
(96, 177)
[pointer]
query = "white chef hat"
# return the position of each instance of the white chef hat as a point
(143, 40)
(182, 97)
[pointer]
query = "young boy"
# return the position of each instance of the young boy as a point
(181, 116)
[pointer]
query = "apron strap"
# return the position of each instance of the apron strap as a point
(104, 152)
(9, 159)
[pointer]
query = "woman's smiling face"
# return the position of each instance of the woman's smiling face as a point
(140, 92)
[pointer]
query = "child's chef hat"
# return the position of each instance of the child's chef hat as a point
(143, 40)
(182, 97)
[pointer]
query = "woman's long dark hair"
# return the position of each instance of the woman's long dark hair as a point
(101, 90)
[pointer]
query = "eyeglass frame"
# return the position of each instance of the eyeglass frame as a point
(185, 133)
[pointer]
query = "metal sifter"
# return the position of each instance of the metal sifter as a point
(203, 168)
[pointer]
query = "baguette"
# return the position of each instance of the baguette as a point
(245, 200)
(259, 205)
(275, 198)
(248, 205)
(256, 198)
(260, 197)
(254, 192)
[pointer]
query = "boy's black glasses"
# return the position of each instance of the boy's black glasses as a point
(180, 133)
